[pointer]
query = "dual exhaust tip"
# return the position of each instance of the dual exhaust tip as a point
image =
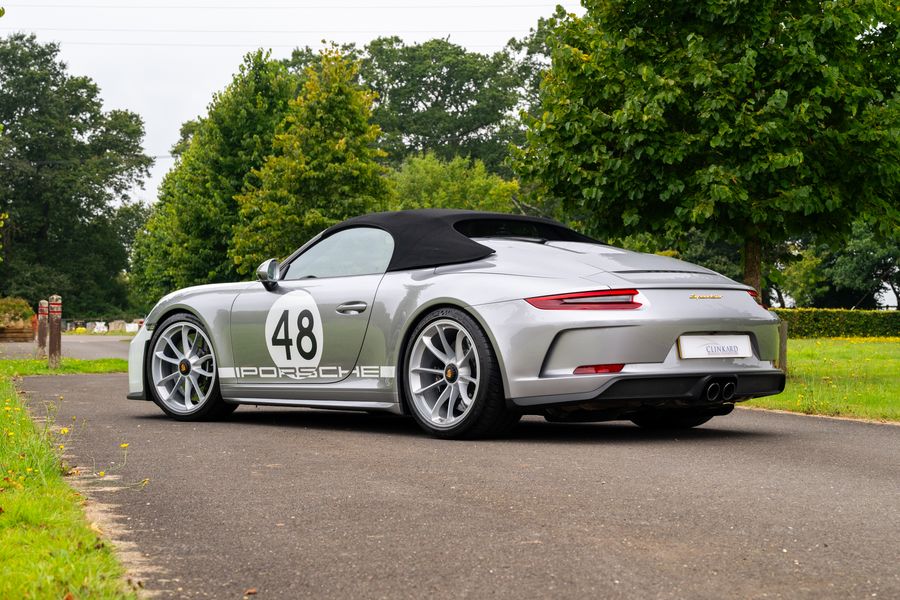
(720, 389)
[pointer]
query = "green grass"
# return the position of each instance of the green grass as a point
(847, 377)
(68, 366)
(92, 334)
(47, 548)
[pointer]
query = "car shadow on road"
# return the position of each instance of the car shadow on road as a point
(530, 429)
(624, 431)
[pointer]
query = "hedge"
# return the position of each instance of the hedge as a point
(836, 322)
(14, 309)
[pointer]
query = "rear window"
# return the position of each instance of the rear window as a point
(500, 228)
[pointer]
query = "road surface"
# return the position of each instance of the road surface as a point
(304, 503)
(74, 346)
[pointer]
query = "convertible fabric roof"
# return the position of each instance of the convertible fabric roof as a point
(432, 237)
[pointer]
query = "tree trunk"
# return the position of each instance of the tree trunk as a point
(752, 256)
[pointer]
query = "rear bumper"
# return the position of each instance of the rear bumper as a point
(539, 350)
(664, 390)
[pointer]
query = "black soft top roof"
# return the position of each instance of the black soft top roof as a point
(433, 237)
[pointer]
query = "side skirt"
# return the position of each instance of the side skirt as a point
(332, 404)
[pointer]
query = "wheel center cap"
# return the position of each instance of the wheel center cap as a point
(184, 367)
(451, 373)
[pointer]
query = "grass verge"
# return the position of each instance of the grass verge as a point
(93, 334)
(841, 377)
(68, 366)
(47, 547)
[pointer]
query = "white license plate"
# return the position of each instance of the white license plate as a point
(714, 346)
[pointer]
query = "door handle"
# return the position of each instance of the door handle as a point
(351, 308)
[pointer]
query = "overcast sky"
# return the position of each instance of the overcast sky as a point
(164, 60)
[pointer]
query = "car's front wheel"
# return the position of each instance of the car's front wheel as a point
(181, 371)
(452, 379)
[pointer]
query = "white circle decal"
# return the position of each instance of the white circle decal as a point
(294, 331)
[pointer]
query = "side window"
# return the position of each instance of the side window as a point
(357, 251)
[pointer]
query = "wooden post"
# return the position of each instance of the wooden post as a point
(782, 362)
(55, 332)
(42, 329)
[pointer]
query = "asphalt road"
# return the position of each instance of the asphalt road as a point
(322, 504)
(74, 346)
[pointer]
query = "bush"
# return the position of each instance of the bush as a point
(14, 309)
(828, 322)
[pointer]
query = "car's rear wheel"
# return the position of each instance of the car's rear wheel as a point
(672, 419)
(181, 371)
(452, 380)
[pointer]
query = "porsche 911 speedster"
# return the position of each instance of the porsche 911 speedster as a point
(465, 321)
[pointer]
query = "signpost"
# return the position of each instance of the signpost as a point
(42, 329)
(55, 331)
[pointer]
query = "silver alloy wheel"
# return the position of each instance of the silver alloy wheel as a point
(183, 367)
(443, 373)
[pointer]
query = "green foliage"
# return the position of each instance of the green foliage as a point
(323, 168)
(65, 164)
(826, 322)
(439, 97)
(185, 135)
(803, 278)
(845, 274)
(429, 182)
(867, 261)
(185, 241)
(530, 56)
(2, 12)
(436, 97)
(753, 121)
(14, 309)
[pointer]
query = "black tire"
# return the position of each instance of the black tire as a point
(488, 415)
(663, 420)
(214, 407)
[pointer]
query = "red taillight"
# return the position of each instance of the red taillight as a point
(599, 300)
(598, 369)
(755, 295)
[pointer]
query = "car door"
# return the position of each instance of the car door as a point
(310, 327)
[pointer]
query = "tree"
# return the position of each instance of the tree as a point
(847, 275)
(186, 240)
(3, 215)
(868, 262)
(323, 168)
(429, 182)
(65, 165)
(756, 122)
(438, 97)
(435, 97)
(530, 56)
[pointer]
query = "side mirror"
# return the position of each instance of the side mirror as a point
(267, 273)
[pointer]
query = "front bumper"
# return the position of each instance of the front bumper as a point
(136, 352)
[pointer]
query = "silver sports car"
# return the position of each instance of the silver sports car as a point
(466, 321)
